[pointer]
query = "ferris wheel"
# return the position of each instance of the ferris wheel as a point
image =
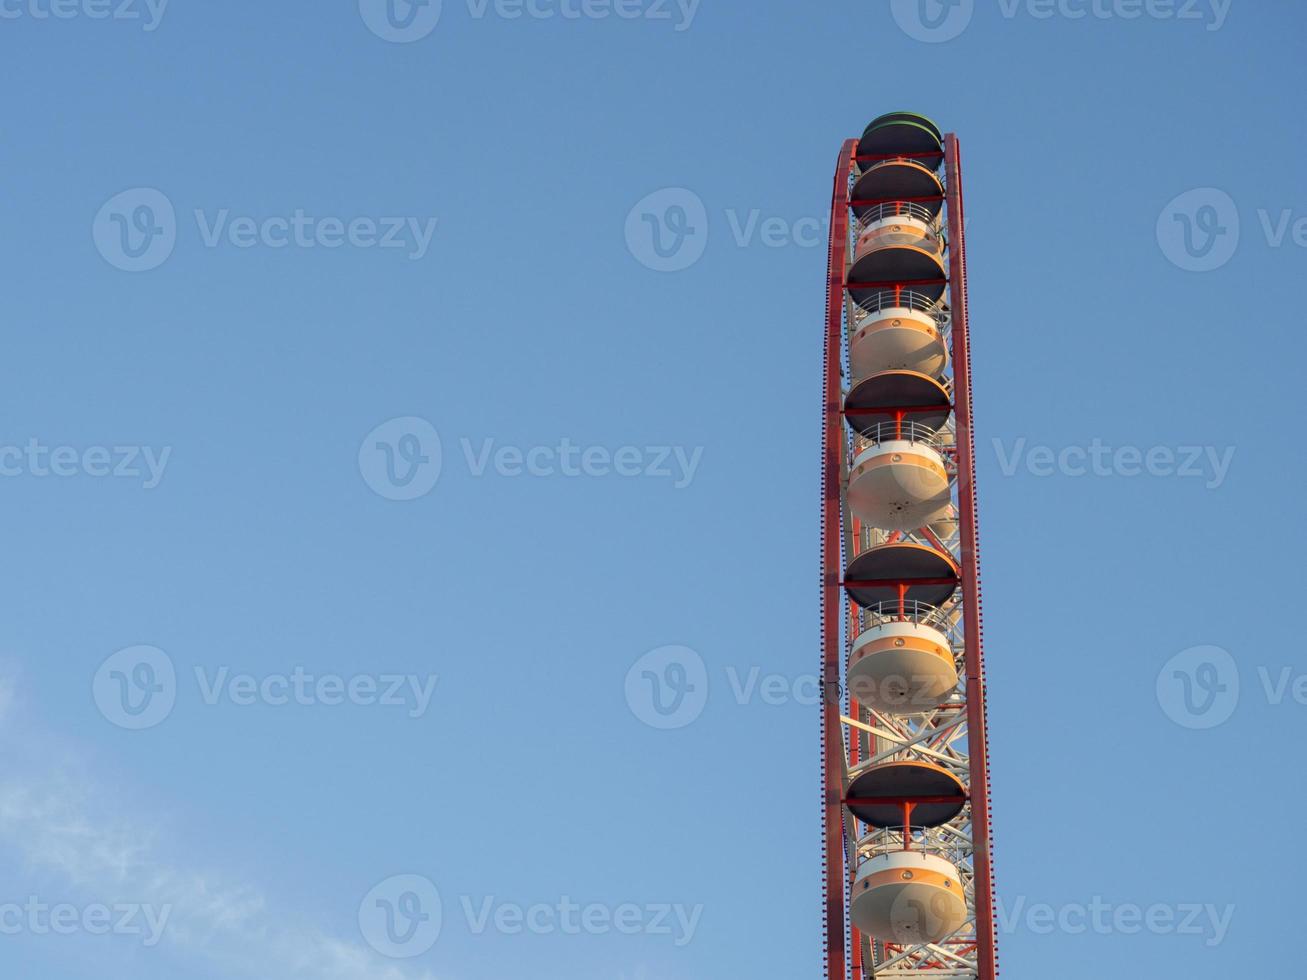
(905, 781)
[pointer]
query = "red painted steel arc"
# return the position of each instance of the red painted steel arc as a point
(832, 466)
(977, 736)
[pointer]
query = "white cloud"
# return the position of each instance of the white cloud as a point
(64, 826)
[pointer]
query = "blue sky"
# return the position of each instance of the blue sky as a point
(391, 658)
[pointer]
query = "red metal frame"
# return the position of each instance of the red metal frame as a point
(832, 730)
(977, 732)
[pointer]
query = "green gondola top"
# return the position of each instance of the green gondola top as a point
(912, 117)
(903, 132)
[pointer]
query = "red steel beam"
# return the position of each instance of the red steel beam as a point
(977, 735)
(858, 202)
(899, 156)
(900, 800)
(887, 286)
(832, 469)
(879, 583)
(934, 539)
(905, 409)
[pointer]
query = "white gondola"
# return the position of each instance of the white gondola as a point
(902, 667)
(897, 337)
(899, 484)
(894, 230)
(908, 897)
